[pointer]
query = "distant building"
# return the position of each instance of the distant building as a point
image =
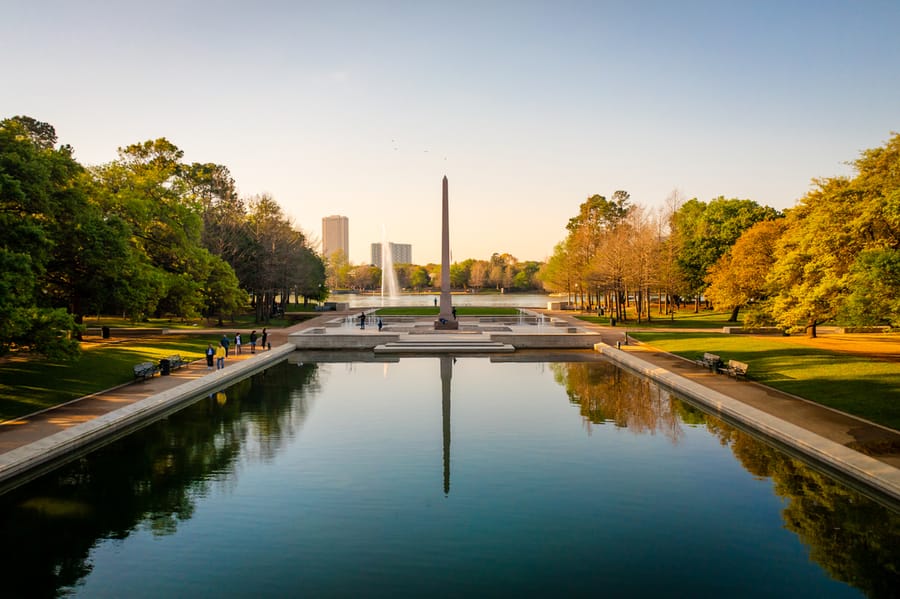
(335, 236)
(401, 253)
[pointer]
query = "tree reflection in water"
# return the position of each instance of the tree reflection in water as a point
(855, 539)
(50, 526)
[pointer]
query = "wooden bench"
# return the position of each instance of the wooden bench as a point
(735, 369)
(145, 370)
(176, 362)
(710, 361)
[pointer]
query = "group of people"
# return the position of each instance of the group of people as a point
(362, 322)
(221, 352)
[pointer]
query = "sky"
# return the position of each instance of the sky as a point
(360, 108)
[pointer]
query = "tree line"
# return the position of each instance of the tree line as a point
(833, 257)
(501, 271)
(144, 235)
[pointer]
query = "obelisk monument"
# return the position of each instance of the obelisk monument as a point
(446, 320)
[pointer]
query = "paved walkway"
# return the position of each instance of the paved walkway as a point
(879, 442)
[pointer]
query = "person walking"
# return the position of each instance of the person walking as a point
(253, 341)
(220, 357)
(237, 343)
(380, 324)
(265, 337)
(210, 354)
(225, 343)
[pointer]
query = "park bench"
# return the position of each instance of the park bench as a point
(710, 361)
(735, 369)
(145, 370)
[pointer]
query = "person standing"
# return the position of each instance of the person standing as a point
(220, 357)
(253, 341)
(225, 343)
(380, 324)
(210, 354)
(265, 337)
(237, 343)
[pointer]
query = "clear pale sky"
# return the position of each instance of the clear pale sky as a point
(359, 108)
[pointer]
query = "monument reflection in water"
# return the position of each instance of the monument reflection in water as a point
(325, 479)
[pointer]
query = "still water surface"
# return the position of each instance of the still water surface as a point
(435, 477)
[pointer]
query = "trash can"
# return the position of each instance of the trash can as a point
(612, 322)
(104, 332)
(165, 367)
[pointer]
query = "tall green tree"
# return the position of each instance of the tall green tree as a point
(837, 254)
(706, 231)
(38, 184)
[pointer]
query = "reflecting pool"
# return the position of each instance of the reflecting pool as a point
(435, 476)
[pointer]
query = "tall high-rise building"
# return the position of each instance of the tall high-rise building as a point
(401, 253)
(335, 236)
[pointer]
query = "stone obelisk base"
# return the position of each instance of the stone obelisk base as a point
(450, 325)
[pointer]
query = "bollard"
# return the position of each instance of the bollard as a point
(618, 345)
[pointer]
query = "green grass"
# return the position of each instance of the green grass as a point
(686, 319)
(239, 321)
(857, 385)
(460, 311)
(27, 386)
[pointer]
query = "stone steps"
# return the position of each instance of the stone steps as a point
(444, 346)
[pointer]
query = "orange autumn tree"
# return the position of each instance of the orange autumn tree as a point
(739, 276)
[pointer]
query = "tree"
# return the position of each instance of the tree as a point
(459, 275)
(740, 275)
(874, 281)
(478, 274)
(705, 231)
(556, 275)
(37, 182)
(836, 256)
(418, 278)
(151, 191)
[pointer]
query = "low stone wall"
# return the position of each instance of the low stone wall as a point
(846, 330)
(561, 341)
(753, 331)
(350, 341)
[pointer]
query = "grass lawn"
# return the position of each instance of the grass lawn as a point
(686, 319)
(854, 384)
(27, 386)
(240, 321)
(460, 311)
